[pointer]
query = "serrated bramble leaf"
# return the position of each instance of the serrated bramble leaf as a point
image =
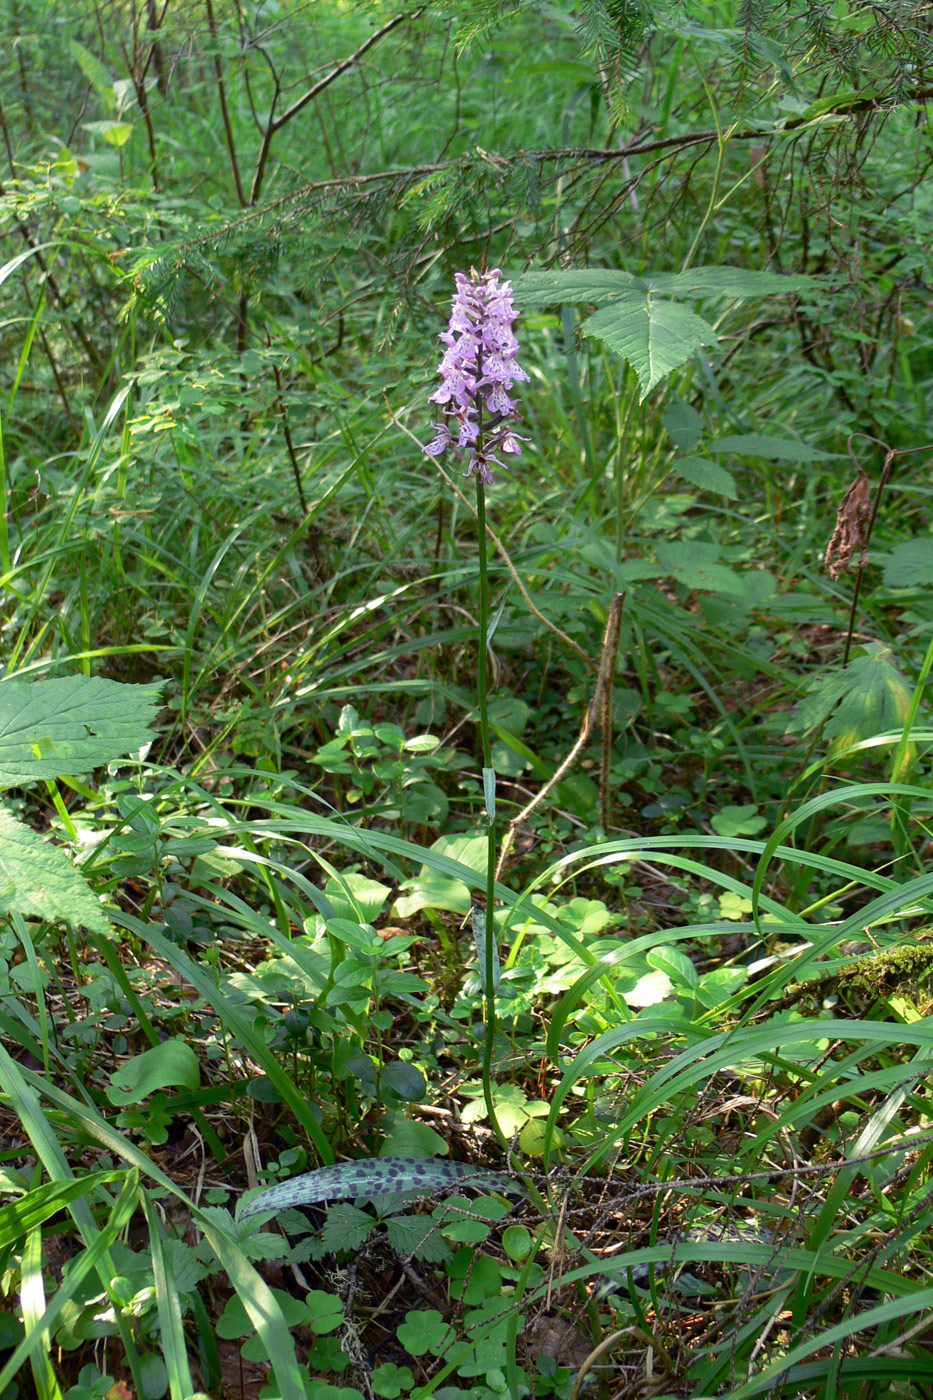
(684, 425)
(375, 1176)
(346, 1227)
(67, 726)
(584, 286)
(706, 475)
(762, 445)
(38, 880)
(654, 336)
(910, 564)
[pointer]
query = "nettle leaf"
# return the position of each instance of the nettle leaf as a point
(778, 449)
(706, 475)
(868, 697)
(684, 425)
(63, 727)
(38, 880)
(375, 1176)
(910, 564)
(167, 1065)
(654, 336)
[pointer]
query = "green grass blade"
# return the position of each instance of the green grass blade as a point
(92, 1259)
(41, 1202)
(33, 1305)
(901, 1311)
(174, 1353)
(16, 1083)
(243, 1276)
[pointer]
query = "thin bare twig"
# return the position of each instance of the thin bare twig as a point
(595, 710)
(224, 109)
(276, 123)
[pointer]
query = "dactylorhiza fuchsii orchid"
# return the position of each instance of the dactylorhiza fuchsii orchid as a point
(477, 371)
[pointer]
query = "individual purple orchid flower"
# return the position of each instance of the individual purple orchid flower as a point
(477, 370)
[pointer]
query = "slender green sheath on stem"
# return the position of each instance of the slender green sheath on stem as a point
(488, 978)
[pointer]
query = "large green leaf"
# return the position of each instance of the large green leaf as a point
(655, 336)
(735, 282)
(49, 729)
(694, 563)
(595, 285)
(171, 1063)
(637, 319)
(762, 445)
(38, 880)
(96, 74)
(910, 563)
(708, 476)
(584, 286)
(867, 697)
(684, 425)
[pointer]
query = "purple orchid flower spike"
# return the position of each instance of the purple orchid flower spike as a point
(477, 372)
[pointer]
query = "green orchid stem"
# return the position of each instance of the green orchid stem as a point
(488, 974)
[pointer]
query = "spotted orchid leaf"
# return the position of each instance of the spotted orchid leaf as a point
(375, 1176)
